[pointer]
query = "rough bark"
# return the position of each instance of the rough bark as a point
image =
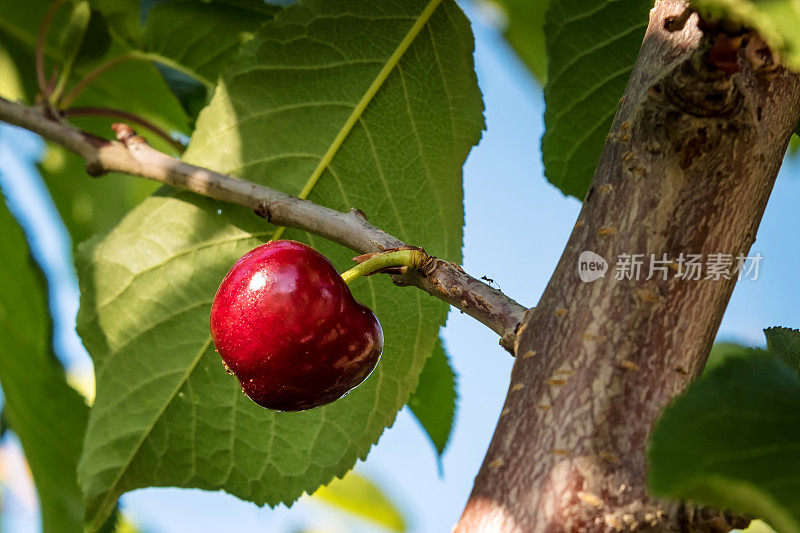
(688, 168)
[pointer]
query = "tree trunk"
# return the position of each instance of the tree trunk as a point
(688, 167)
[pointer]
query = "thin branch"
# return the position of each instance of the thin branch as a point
(52, 83)
(41, 43)
(90, 77)
(132, 155)
(133, 55)
(110, 112)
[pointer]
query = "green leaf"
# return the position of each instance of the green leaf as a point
(74, 31)
(360, 497)
(124, 19)
(135, 86)
(523, 29)
(591, 52)
(721, 351)
(777, 22)
(72, 38)
(48, 416)
(362, 104)
(96, 41)
(19, 25)
(191, 41)
(16, 80)
(87, 205)
(434, 401)
(786, 343)
(216, 31)
(192, 94)
(733, 440)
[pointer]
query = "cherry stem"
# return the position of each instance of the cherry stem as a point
(410, 258)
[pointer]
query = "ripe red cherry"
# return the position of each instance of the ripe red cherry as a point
(288, 328)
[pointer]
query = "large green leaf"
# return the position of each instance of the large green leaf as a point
(351, 103)
(591, 48)
(45, 412)
(203, 37)
(523, 27)
(434, 401)
(358, 496)
(733, 440)
(191, 41)
(216, 31)
(777, 21)
(786, 343)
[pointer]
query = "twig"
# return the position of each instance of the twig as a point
(70, 97)
(52, 83)
(41, 43)
(110, 112)
(132, 155)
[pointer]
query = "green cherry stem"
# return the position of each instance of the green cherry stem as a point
(411, 258)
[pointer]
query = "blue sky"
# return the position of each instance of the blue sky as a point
(516, 227)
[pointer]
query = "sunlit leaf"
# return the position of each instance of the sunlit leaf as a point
(373, 105)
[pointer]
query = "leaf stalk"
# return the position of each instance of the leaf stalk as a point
(408, 258)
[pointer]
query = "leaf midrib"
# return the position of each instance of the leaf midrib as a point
(366, 98)
(111, 497)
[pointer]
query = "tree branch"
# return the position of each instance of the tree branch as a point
(687, 168)
(131, 154)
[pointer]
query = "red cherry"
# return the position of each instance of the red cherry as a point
(288, 328)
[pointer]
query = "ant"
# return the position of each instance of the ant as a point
(490, 281)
